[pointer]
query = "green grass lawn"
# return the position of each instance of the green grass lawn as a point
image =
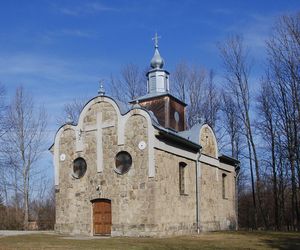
(215, 240)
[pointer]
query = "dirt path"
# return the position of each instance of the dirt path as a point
(4, 233)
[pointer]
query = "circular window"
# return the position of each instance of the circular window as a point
(79, 167)
(123, 162)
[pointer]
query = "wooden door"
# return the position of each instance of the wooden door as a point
(102, 217)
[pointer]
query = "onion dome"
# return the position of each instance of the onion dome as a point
(156, 62)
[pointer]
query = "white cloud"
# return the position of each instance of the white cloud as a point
(86, 8)
(52, 36)
(77, 33)
(255, 30)
(46, 67)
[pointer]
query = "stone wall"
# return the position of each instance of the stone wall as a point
(175, 213)
(217, 212)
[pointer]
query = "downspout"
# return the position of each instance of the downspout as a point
(236, 197)
(197, 192)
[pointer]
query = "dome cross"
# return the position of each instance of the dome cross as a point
(155, 39)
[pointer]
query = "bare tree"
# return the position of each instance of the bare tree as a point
(43, 205)
(277, 120)
(268, 127)
(180, 78)
(232, 125)
(3, 130)
(196, 87)
(237, 71)
(211, 105)
(24, 143)
(195, 90)
(2, 117)
(72, 110)
(3, 124)
(130, 85)
(284, 65)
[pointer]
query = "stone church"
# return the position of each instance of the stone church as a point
(133, 169)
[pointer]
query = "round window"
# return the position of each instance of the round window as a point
(79, 167)
(123, 162)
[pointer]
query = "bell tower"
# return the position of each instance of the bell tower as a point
(169, 110)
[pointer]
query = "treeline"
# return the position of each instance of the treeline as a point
(270, 127)
(26, 196)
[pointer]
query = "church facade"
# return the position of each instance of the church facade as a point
(135, 170)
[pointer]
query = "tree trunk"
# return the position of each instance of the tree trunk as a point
(26, 203)
(275, 195)
(252, 187)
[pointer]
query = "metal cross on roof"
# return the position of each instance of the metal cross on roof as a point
(155, 39)
(101, 90)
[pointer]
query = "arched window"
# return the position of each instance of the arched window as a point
(182, 170)
(79, 167)
(224, 186)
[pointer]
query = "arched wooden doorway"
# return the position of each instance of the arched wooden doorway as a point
(101, 217)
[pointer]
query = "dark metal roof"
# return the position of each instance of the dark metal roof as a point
(229, 160)
(155, 95)
(173, 136)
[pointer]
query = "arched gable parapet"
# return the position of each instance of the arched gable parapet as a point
(119, 110)
(150, 128)
(208, 141)
(123, 113)
(56, 150)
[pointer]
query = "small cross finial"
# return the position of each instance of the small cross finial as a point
(69, 119)
(155, 39)
(101, 90)
(137, 105)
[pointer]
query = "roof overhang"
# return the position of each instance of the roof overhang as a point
(230, 161)
(157, 95)
(167, 135)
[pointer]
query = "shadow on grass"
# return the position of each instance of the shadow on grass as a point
(284, 241)
(275, 240)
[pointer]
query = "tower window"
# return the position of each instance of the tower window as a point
(182, 170)
(224, 186)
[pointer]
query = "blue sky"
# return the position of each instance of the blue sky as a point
(58, 50)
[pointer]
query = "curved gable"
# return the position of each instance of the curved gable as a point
(104, 118)
(208, 141)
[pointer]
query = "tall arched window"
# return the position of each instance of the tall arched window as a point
(224, 186)
(182, 179)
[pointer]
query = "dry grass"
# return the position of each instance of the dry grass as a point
(216, 240)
